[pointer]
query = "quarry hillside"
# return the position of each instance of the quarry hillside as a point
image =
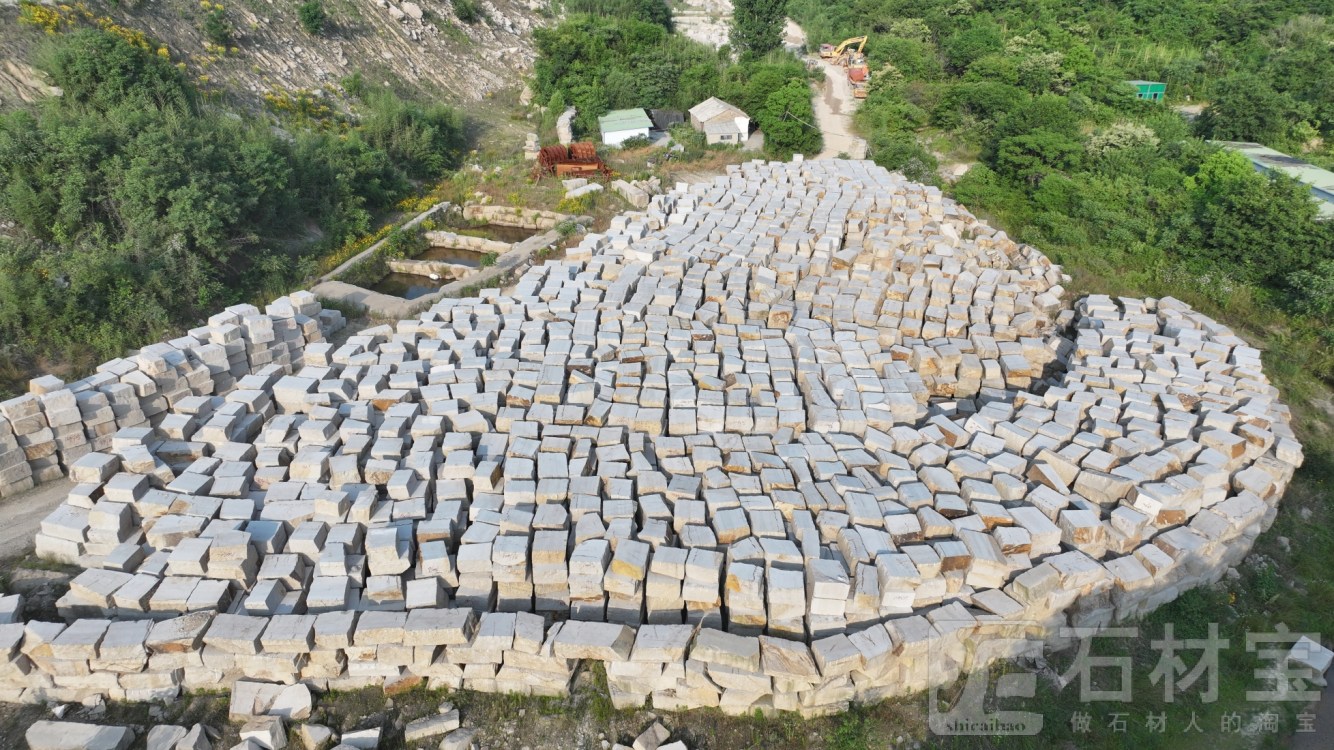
(266, 54)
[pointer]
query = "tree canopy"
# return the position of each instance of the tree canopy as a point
(757, 27)
(138, 210)
(1032, 98)
(598, 64)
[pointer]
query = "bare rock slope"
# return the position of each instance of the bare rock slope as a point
(421, 44)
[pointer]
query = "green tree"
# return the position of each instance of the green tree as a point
(982, 37)
(757, 27)
(135, 211)
(788, 121)
(312, 16)
(1245, 108)
(1034, 155)
(1249, 226)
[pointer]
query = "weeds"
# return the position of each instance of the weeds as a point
(853, 731)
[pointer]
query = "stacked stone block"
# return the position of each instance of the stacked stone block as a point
(765, 445)
(52, 427)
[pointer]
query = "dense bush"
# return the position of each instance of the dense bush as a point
(312, 16)
(467, 11)
(423, 139)
(398, 244)
(217, 28)
(139, 211)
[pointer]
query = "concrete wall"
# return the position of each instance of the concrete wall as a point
(526, 218)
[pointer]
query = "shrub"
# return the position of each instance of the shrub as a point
(217, 28)
(638, 141)
(1312, 292)
(312, 16)
(488, 259)
(467, 11)
(576, 206)
(398, 244)
(902, 153)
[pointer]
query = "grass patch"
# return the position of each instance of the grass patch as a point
(350, 310)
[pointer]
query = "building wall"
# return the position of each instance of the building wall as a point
(617, 137)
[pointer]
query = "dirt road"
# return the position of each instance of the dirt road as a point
(794, 37)
(20, 516)
(832, 100)
(834, 105)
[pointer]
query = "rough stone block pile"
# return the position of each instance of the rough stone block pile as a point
(764, 445)
(46, 432)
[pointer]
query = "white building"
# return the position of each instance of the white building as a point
(720, 122)
(621, 125)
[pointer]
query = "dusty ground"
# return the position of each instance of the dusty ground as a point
(706, 21)
(21, 516)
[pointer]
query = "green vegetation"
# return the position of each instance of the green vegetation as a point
(218, 28)
(138, 211)
(648, 11)
(467, 11)
(757, 27)
(600, 64)
(312, 16)
(398, 244)
(1124, 191)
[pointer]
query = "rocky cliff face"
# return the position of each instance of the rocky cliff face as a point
(418, 43)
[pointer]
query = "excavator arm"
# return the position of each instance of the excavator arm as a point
(860, 41)
(828, 51)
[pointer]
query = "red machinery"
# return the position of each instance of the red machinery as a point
(578, 160)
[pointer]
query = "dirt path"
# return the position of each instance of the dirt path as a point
(21, 516)
(832, 100)
(794, 37)
(834, 105)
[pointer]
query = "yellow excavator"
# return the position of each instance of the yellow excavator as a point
(831, 52)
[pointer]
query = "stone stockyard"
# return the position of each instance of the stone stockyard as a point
(765, 445)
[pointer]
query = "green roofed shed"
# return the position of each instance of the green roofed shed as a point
(1150, 90)
(620, 125)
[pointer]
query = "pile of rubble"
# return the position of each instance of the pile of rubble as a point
(766, 445)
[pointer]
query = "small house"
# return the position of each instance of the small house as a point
(620, 125)
(1150, 90)
(720, 122)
